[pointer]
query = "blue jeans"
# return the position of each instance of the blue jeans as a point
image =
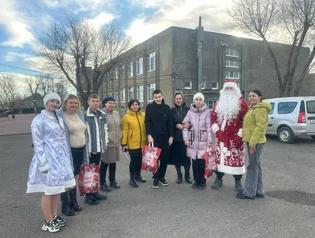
(253, 183)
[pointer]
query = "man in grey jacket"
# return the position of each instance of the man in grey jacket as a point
(97, 131)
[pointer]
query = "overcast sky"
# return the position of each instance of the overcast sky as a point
(21, 22)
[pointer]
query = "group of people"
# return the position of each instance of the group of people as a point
(64, 138)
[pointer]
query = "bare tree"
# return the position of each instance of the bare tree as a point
(293, 18)
(7, 91)
(82, 55)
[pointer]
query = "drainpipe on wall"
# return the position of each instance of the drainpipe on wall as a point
(199, 54)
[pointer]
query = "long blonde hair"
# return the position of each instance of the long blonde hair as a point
(67, 98)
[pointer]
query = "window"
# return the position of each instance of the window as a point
(130, 71)
(123, 95)
(150, 89)
(140, 95)
(310, 105)
(286, 107)
(116, 95)
(214, 85)
(203, 85)
(188, 85)
(232, 53)
(130, 93)
(232, 64)
(210, 103)
(122, 71)
(232, 75)
(116, 73)
(139, 66)
(151, 62)
(272, 108)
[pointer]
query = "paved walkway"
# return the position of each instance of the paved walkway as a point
(20, 125)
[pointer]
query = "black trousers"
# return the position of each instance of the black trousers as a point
(164, 156)
(220, 175)
(198, 166)
(135, 163)
(77, 159)
(112, 172)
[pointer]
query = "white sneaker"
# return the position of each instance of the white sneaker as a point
(52, 226)
(60, 221)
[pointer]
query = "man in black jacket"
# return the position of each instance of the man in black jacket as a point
(159, 128)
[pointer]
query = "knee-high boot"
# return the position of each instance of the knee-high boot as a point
(66, 208)
(73, 200)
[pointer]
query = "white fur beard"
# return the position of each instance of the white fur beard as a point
(228, 105)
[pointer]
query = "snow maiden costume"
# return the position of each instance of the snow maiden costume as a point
(51, 169)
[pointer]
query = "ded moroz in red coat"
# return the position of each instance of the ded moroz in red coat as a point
(229, 146)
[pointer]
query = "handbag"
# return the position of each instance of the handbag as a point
(210, 162)
(89, 178)
(150, 157)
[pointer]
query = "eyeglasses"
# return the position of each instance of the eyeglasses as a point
(229, 88)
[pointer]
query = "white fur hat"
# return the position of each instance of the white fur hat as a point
(51, 96)
(230, 83)
(199, 95)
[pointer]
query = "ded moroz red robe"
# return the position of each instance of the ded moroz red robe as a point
(229, 147)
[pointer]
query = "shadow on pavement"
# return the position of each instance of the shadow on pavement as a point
(295, 197)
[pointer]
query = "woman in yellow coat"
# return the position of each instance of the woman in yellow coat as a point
(255, 124)
(133, 138)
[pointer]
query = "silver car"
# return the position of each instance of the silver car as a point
(292, 117)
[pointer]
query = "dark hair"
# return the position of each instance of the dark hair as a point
(108, 99)
(257, 92)
(156, 91)
(132, 101)
(179, 93)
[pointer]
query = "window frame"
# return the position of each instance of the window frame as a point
(151, 65)
(139, 65)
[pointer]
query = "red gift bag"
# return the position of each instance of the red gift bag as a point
(210, 163)
(89, 178)
(150, 157)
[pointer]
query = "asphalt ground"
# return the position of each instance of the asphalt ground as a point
(173, 211)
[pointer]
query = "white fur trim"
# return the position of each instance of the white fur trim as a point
(240, 132)
(50, 190)
(231, 170)
(230, 84)
(215, 127)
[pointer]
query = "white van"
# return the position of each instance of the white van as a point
(291, 117)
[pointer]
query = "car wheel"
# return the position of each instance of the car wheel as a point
(286, 135)
(313, 137)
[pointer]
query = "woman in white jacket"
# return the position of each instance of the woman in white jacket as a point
(51, 171)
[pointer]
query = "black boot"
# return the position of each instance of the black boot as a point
(139, 179)
(66, 207)
(179, 174)
(89, 199)
(133, 183)
(187, 176)
(73, 200)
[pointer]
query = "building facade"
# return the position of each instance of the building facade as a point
(186, 60)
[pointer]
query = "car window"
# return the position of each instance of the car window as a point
(310, 105)
(286, 107)
(272, 107)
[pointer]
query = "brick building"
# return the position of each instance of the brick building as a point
(194, 60)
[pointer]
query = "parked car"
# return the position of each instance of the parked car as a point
(292, 117)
